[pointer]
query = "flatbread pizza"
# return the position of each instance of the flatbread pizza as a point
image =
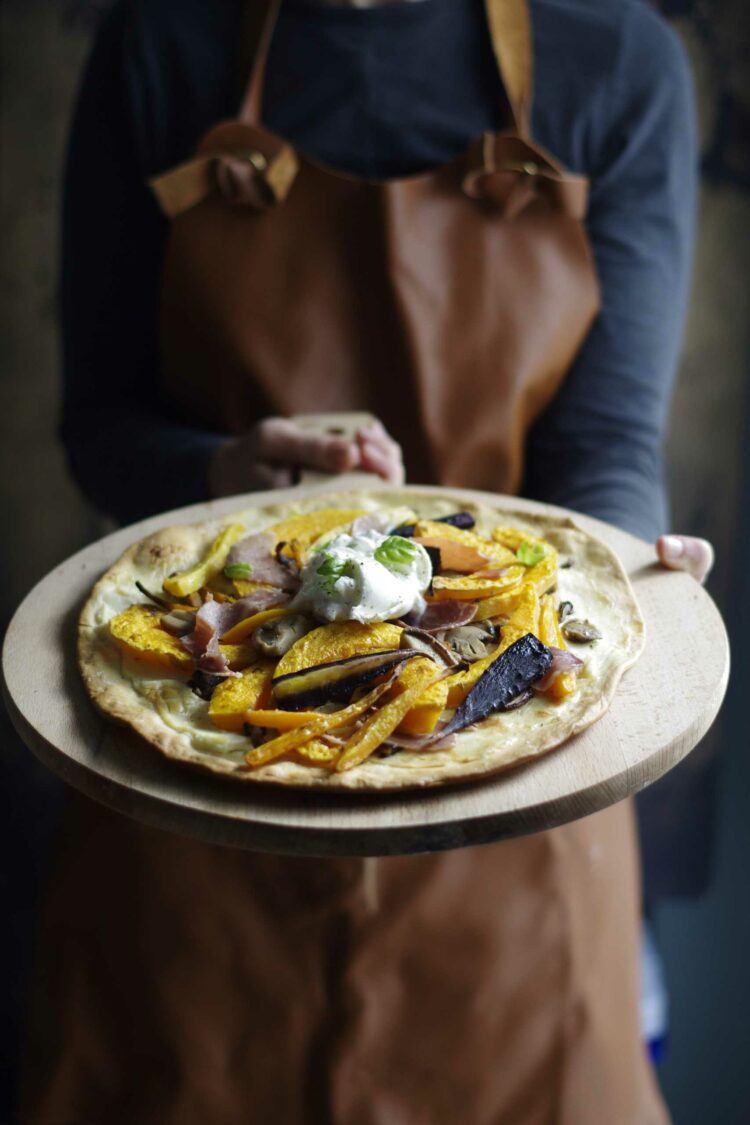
(364, 640)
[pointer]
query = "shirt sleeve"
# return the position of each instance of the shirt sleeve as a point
(128, 453)
(598, 447)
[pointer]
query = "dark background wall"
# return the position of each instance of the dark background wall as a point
(705, 940)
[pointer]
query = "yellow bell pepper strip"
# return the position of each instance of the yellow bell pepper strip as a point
(235, 696)
(280, 720)
(524, 619)
(317, 752)
(138, 632)
(543, 576)
(189, 581)
(242, 630)
(472, 588)
(385, 720)
(267, 751)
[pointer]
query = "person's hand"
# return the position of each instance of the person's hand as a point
(684, 552)
(274, 450)
(379, 453)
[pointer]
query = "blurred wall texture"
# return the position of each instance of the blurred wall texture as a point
(705, 940)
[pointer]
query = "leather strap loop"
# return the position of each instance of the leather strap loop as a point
(245, 165)
(509, 173)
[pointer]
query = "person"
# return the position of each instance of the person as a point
(382, 222)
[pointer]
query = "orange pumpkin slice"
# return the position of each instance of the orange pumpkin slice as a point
(138, 632)
(550, 633)
(472, 588)
(304, 529)
(339, 641)
(235, 696)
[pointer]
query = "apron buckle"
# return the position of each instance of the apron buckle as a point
(245, 165)
(509, 173)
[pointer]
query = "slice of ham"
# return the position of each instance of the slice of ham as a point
(257, 551)
(462, 558)
(214, 619)
(446, 614)
(562, 661)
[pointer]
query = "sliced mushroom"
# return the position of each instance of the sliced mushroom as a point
(580, 632)
(472, 642)
(429, 644)
(565, 609)
(277, 637)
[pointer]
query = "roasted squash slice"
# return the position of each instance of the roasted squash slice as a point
(550, 634)
(339, 641)
(138, 632)
(306, 528)
(473, 588)
(232, 698)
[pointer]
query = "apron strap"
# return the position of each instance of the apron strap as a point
(509, 25)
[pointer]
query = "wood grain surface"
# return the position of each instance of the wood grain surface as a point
(662, 708)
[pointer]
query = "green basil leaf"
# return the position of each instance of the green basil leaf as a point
(330, 570)
(531, 553)
(396, 552)
(239, 570)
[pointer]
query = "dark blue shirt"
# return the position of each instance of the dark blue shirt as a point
(383, 92)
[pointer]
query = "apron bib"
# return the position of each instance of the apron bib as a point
(492, 986)
(451, 303)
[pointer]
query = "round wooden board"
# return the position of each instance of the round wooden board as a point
(662, 707)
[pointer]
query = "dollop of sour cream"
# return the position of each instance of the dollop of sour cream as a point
(365, 577)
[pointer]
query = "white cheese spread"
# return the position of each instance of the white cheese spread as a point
(366, 577)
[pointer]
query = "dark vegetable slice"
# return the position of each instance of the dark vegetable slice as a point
(204, 683)
(458, 519)
(565, 609)
(505, 680)
(435, 563)
(333, 682)
(161, 602)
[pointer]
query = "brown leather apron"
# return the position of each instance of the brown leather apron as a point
(184, 983)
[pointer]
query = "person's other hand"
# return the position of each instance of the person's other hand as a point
(684, 552)
(275, 449)
(379, 453)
